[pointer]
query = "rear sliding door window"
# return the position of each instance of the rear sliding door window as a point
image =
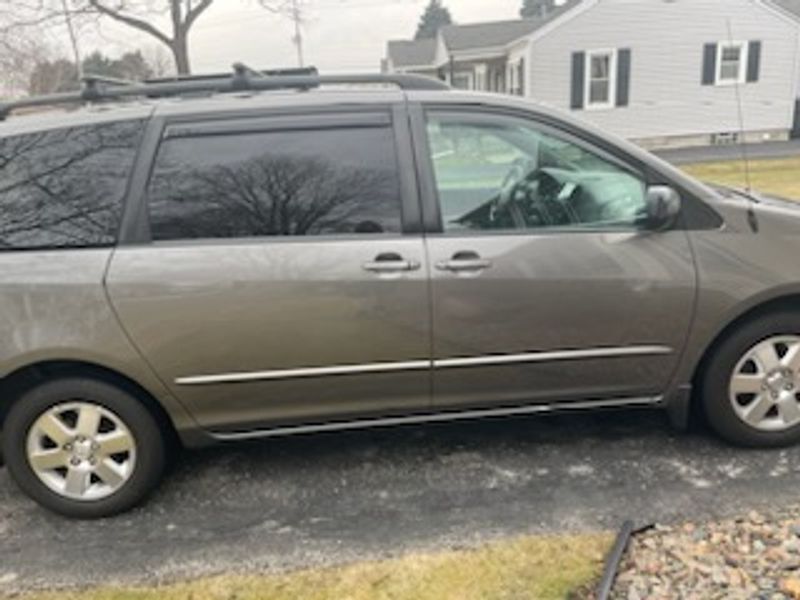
(64, 188)
(337, 181)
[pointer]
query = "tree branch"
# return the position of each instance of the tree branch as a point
(131, 21)
(193, 13)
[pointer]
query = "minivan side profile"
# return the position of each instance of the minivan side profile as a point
(206, 269)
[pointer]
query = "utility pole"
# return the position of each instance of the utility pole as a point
(297, 16)
(73, 39)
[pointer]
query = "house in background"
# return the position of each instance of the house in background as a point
(490, 57)
(792, 7)
(663, 73)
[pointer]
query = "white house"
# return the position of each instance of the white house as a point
(792, 8)
(660, 72)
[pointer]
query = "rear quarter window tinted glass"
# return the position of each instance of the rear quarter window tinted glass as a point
(64, 188)
(336, 181)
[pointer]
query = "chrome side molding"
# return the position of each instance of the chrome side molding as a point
(417, 365)
(413, 365)
(559, 355)
(443, 417)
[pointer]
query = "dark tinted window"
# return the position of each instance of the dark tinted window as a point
(280, 183)
(64, 188)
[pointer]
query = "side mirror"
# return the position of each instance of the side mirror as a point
(663, 207)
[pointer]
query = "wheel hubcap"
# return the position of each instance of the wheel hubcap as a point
(81, 451)
(765, 385)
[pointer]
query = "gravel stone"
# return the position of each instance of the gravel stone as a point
(740, 558)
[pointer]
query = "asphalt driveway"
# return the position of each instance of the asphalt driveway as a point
(331, 498)
(765, 150)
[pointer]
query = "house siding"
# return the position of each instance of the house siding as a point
(666, 39)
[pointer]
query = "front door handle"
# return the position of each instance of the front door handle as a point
(391, 263)
(464, 262)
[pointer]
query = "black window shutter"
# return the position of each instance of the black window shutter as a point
(753, 62)
(710, 64)
(578, 78)
(623, 76)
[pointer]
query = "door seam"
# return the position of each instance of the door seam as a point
(112, 307)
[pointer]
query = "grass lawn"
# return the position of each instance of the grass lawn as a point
(780, 177)
(536, 568)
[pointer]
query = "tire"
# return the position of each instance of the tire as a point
(733, 410)
(113, 470)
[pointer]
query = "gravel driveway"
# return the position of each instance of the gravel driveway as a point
(331, 498)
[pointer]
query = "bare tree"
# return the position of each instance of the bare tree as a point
(159, 61)
(168, 22)
(144, 16)
(138, 14)
(19, 54)
(21, 41)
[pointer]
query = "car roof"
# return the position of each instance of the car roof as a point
(56, 118)
(44, 120)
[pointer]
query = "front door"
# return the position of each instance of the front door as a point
(546, 287)
(278, 286)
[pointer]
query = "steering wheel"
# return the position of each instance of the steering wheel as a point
(546, 203)
(519, 172)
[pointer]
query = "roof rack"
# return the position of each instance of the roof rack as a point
(99, 89)
(90, 79)
(238, 68)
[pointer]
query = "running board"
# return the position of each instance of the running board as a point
(443, 417)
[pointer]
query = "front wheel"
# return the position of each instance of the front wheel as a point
(83, 448)
(751, 388)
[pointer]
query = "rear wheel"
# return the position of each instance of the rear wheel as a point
(83, 448)
(751, 388)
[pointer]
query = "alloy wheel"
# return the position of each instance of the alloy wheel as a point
(765, 385)
(81, 451)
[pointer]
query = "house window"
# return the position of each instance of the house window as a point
(516, 78)
(500, 81)
(462, 81)
(601, 79)
(731, 61)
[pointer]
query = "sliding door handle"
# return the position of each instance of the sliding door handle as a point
(391, 263)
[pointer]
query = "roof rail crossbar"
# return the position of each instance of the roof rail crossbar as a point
(242, 80)
(226, 76)
(92, 79)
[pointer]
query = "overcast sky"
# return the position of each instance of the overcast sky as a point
(339, 34)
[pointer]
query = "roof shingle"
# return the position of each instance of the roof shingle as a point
(412, 53)
(472, 37)
(791, 6)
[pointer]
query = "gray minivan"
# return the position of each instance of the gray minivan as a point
(220, 260)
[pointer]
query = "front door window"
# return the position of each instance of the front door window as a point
(504, 173)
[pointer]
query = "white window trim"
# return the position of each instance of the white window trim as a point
(481, 81)
(612, 80)
(744, 49)
(515, 86)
